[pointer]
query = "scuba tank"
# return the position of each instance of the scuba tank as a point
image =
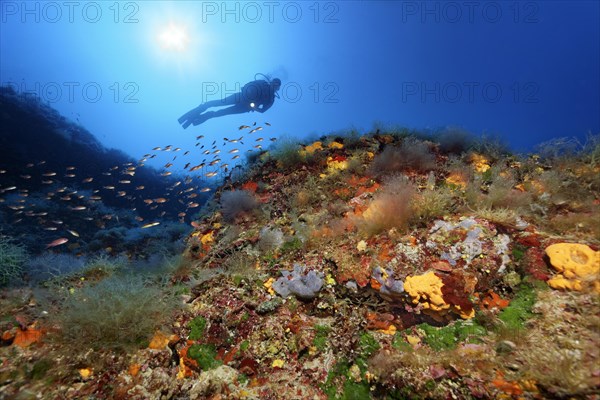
(264, 76)
(267, 79)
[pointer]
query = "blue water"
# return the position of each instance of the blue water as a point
(526, 72)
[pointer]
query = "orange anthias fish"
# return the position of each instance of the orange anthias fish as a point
(57, 242)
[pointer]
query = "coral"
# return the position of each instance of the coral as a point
(12, 257)
(234, 203)
(377, 317)
(454, 140)
(431, 203)
(48, 265)
(270, 239)
(287, 154)
(299, 283)
(391, 208)
(578, 266)
(117, 312)
(412, 155)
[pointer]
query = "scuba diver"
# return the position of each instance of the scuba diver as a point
(258, 95)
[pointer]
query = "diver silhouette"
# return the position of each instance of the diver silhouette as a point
(258, 95)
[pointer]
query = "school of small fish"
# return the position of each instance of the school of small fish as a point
(61, 185)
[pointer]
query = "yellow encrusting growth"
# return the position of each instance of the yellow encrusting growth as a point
(207, 238)
(85, 373)
(313, 147)
(278, 363)
(457, 180)
(578, 266)
(426, 289)
(159, 341)
(334, 165)
(479, 162)
(268, 285)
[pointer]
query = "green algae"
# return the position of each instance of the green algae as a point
(350, 390)
(197, 326)
(399, 343)
(291, 245)
(518, 252)
(520, 308)
(367, 345)
(355, 391)
(320, 341)
(205, 355)
(340, 383)
(40, 368)
(448, 337)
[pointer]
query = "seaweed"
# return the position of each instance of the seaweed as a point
(448, 337)
(205, 355)
(197, 327)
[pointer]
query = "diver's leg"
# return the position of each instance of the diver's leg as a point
(235, 109)
(185, 123)
(190, 115)
(227, 101)
(196, 113)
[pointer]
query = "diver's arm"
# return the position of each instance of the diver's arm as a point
(265, 107)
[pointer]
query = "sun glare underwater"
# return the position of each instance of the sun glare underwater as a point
(299, 200)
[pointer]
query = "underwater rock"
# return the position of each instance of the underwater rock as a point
(212, 382)
(505, 347)
(352, 286)
(299, 283)
(268, 306)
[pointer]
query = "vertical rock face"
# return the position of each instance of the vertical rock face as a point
(402, 298)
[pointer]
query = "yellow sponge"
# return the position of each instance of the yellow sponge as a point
(578, 266)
